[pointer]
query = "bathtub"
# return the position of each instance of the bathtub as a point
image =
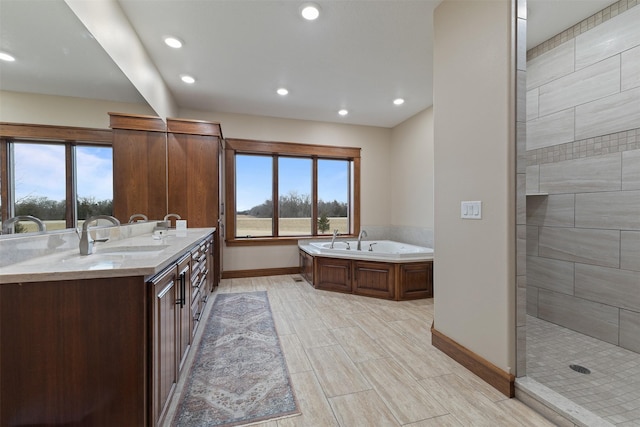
(386, 250)
(390, 270)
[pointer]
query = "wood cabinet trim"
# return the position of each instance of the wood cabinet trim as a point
(194, 127)
(291, 148)
(136, 122)
(55, 133)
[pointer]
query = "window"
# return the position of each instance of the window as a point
(254, 207)
(333, 194)
(316, 190)
(294, 196)
(57, 174)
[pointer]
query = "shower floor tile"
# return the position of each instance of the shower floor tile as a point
(611, 390)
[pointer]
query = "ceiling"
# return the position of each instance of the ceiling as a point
(359, 54)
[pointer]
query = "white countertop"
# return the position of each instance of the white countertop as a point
(135, 256)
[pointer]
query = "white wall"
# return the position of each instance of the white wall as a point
(18, 107)
(411, 166)
(474, 266)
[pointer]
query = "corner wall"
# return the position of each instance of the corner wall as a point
(474, 122)
(411, 174)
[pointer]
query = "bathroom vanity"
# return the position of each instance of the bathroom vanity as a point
(101, 339)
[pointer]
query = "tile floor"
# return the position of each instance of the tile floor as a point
(611, 390)
(358, 361)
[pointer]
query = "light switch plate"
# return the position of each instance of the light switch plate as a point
(471, 210)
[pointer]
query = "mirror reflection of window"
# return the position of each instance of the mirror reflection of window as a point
(39, 180)
(94, 181)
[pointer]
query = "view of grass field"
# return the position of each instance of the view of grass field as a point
(30, 227)
(250, 226)
(245, 226)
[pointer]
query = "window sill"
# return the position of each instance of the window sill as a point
(276, 241)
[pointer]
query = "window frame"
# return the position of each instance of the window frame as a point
(46, 134)
(286, 149)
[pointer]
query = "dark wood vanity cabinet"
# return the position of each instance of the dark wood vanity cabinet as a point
(99, 352)
(74, 352)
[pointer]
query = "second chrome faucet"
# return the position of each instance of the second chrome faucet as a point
(86, 241)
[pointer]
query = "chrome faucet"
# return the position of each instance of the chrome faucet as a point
(167, 222)
(134, 216)
(7, 225)
(86, 241)
(360, 236)
(333, 239)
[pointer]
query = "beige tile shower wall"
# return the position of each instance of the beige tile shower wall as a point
(629, 325)
(631, 170)
(588, 317)
(586, 86)
(583, 150)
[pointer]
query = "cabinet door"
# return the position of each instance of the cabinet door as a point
(333, 274)
(374, 279)
(193, 178)
(164, 351)
(211, 268)
(306, 266)
(139, 174)
(183, 304)
(416, 280)
(74, 352)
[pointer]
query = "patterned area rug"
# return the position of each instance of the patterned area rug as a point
(239, 374)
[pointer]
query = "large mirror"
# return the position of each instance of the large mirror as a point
(60, 76)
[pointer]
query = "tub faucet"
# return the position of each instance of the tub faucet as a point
(86, 242)
(8, 224)
(134, 216)
(360, 236)
(333, 239)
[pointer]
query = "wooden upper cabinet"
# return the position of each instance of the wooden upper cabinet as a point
(193, 171)
(139, 166)
(162, 168)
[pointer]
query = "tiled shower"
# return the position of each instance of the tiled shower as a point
(583, 207)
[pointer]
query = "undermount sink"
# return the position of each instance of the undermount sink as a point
(131, 250)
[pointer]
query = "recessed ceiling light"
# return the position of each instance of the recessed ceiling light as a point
(282, 91)
(343, 112)
(310, 11)
(187, 79)
(173, 42)
(6, 57)
(398, 101)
